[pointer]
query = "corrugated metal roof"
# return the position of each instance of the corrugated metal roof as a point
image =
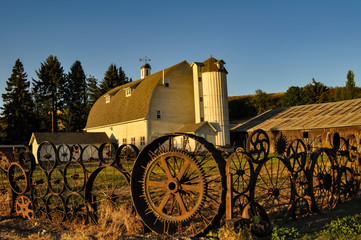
(323, 115)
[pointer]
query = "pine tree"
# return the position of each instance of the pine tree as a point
(49, 92)
(113, 78)
(350, 86)
(316, 92)
(18, 107)
(93, 91)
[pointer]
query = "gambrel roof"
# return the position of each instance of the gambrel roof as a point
(313, 116)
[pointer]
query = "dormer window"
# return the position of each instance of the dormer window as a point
(107, 99)
(166, 82)
(128, 92)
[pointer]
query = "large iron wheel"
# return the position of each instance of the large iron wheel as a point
(90, 158)
(6, 195)
(47, 155)
(323, 180)
(126, 156)
(76, 209)
(56, 181)
(74, 176)
(107, 153)
(18, 178)
(352, 144)
(107, 189)
(55, 208)
(258, 146)
(273, 187)
(39, 182)
(179, 185)
(64, 154)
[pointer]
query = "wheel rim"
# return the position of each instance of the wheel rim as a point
(90, 158)
(39, 182)
(74, 176)
(47, 156)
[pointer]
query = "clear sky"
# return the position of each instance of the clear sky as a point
(266, 44)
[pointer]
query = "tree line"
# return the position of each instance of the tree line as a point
(245, 107)
(55, 101)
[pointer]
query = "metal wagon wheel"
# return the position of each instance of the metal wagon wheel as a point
(56, 181)
(6, 195)
(126, 156)
(27, 161)
(24, 207)
(323, 173)
(258, 146)
(18, 178)
(55, 208)
(179, 185)
(342, 153)
(74, 176)
(39, 184)
(107, 153)
(47, 155)
(107, 189)
(240, 168)
(39, 208)
(257, 219)
(352, 144)
(347, 184)
(90, 158)
(64, 153)
(76, 209)
(273, 187)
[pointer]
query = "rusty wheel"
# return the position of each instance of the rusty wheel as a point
(90, 158)
(4, 162)
(39, 182)
(76, 209)
(257, 219)
(126, 156)
(56, 181)
(107, 189)
(39, 208)
(18, 178)
(352, 144)
(342, 153)
(24, 207)
(347, 184)
(178, 185)
(273, 187)
(107, 153)
(55, 208)
(323, 180)
(27, 161)
(238, 204)
(47, 155)
(257, 146)
(300, 208)
(64, 154)
(74, 176)
(76, 150)
(6, 195)
(240, 168)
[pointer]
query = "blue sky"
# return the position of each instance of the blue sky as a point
(267, 45)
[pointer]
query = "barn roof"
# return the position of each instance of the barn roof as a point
(194, 127)
(306, 117)
(122, 108)
(70, 138)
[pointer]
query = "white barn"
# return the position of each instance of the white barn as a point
(186, 97)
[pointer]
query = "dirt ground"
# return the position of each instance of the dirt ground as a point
(17, 228)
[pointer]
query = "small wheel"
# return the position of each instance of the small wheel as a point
(323, 180)
(258, 146)
(6, 195)
(107, 189)
(126, 156)
(18, 178)
(47, 155)
(76, 152)
(257, 219)
(76, 209)
(352, 144)
(64, 154)
(39, 208)
(238, 204)
(90, 158)
(300, 208)
(241, 170)
(39, 182)
(27, 161)
(107, 153)
(24, 207)
(4, 162)
(273, 187)
(56, 181)
(55, 208)
(74, 176)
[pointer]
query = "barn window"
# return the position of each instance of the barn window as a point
(124, 141)
(132, 140)
(128, 92)
(107, 99)
(166, 82)
(142, 141)
(158, 114)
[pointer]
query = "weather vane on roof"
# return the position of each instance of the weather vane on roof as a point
(145, 59)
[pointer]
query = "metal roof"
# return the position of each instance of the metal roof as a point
(324, 115)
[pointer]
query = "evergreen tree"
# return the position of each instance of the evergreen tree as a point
(18, 107)
(316, 92)
(113, 78)
(75, 112)
(93, 91)
(294, 96)
(350, 86)
(49, 93)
